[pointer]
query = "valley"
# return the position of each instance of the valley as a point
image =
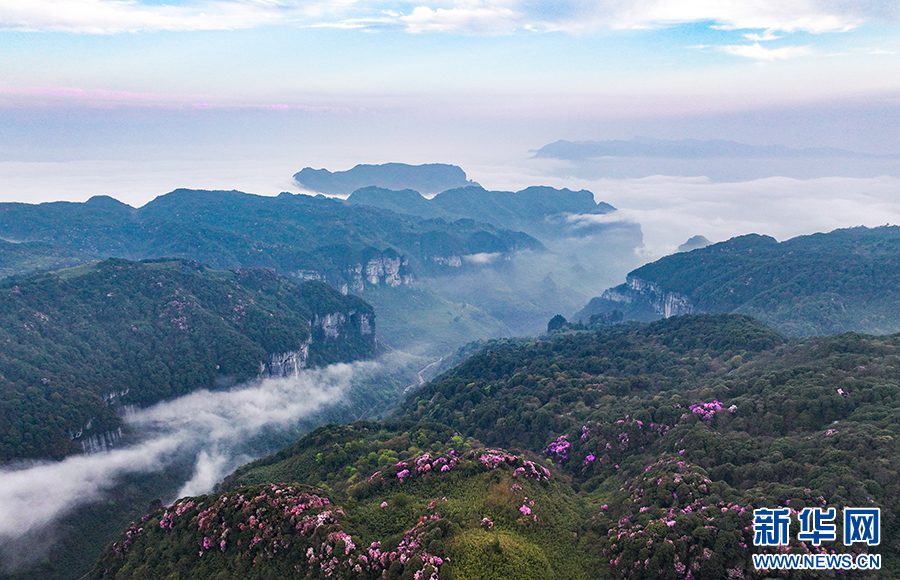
(354, 365)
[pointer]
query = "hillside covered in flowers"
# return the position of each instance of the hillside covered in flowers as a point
(634, 451)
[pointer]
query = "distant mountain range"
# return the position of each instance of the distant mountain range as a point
(585, 240)
(539, 211)
(429, 178)
(816, 284)
(717, 159)
(687, 149)
(468, 243)
(298, 235)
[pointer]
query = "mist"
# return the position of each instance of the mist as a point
(213, 428)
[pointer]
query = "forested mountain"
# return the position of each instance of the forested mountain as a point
(636, 451)
(495, 279)
(539, 211)
(817, 284)
(298, 235)
(81, 345)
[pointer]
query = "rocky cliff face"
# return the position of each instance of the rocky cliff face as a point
(287, 364)
(388, 268)
(101, 441)
(664, 303)
(335, 326)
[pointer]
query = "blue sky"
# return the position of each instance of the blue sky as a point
(602, 57)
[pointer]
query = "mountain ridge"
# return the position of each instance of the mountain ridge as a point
(687, 149)
(816, 284)
(635, 443)
(81, 345)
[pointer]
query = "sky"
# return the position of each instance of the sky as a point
(134, 98)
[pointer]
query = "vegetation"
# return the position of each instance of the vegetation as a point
(80, 344)
(538, 211)
(644, 447)
(297, 235)
(406, 501)
(817, 284)
(422, 322)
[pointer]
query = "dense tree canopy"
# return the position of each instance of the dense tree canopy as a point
(80, 344)
(644, 447)
(817, 284)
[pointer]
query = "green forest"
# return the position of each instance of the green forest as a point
(628, 451)
(296, 235)
(80, 344)
(822, 283)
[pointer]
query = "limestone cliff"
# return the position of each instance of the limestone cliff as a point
(641, 300)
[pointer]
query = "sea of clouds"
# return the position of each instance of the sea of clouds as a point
(209, 428)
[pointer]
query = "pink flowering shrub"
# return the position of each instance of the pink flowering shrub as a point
(706, 411)
(494, 459)
(603, 444)
(671, 521)
(284, 527)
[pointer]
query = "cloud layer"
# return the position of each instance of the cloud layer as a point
(467, 16)
(672, 209)
(209, 426)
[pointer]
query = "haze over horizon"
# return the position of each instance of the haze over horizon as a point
(135, 99)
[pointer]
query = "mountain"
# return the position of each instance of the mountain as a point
(682, 149)
(694, 243)
(636, 451)
(352, 247)
(539, 211)
(587, 245)
(298, 235)
(817, 284)
(428, 178)
(507, 274)
(16, 258)
(717, 159)
(82, 346)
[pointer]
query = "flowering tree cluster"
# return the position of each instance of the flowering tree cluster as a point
(416, 467)
(706, 411)
(280, 527)
(681, 531)
(604, 443)
(494, 458)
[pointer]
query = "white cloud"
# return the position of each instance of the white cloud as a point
(111, 16)
(35, 496)
(482, 259)
(466, 16)
(210, 425)
(357, 23)
(769, 15)
(766, 36)
(483, 18)
(672, 209)
(758, 52)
